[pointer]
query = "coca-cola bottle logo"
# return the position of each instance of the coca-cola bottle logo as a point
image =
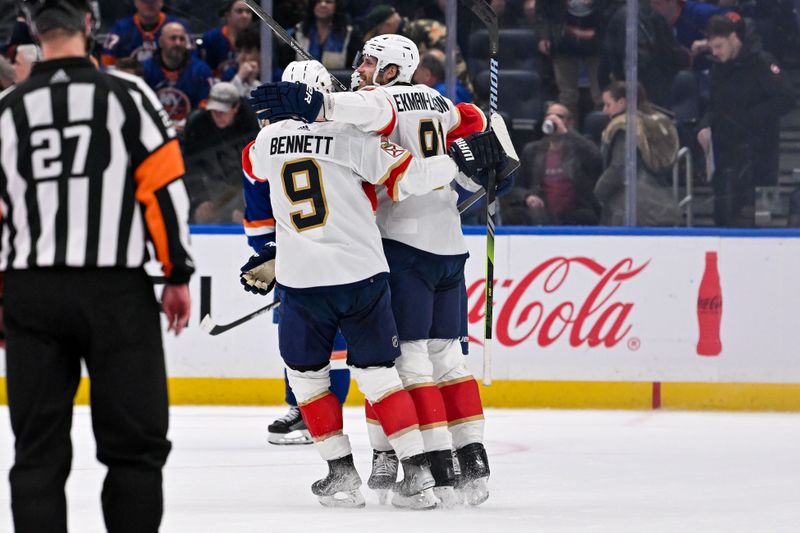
(709, 304)
(593, 320)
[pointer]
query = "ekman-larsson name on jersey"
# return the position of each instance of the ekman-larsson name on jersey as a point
(419, 101)
(303, 144)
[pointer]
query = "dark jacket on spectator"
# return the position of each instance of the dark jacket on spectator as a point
(657, 150)
(660, 55)
(214, 159)
(581, 162)
(553, 22)
(748, 97)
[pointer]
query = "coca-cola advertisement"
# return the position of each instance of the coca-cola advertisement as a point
(575, 308)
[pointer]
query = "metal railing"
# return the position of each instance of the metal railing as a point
(684, 203)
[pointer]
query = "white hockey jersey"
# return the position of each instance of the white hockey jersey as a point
(322, 191)
(424, 122)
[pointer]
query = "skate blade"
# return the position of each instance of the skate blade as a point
(476, 491)
(448, 497)
(383, 496)
(348, 499)
(418, 502)
(293, 438)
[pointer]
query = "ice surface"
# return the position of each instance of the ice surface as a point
(552, 471)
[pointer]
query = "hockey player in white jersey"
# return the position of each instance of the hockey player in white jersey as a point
(426, 252)
(330, 263)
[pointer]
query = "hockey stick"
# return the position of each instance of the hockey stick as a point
(284, 36)
(483, 11)
(212, 328)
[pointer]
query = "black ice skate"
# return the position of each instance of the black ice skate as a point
(384, 474)
(416, 489)
(474, 479)
(289, 429)
(443, 471)
(340, 488)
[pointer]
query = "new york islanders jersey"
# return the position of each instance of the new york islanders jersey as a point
(424, 122)
(322, 193)
(218, 50)
(180, 91)
(128, 38)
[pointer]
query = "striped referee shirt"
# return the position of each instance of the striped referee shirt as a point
(90, 169)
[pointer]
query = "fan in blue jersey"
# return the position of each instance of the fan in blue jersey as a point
(137, 35)
(181, 81)
(219, 44)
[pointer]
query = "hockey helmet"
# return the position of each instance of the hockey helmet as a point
(392, 49)
(312, 73)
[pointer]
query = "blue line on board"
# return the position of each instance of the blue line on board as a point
(607, 231)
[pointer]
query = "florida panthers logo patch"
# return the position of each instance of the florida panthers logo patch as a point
(392, 149)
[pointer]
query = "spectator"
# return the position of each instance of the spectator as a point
(688, 20)
(26, 55)
(382, 19)
(326, 35)
(657, 150)
(6, 74)
(429, 34)
(245, 72)
(430, 72)
(219, 45)
(748, 97)
(136, 35)
(660, 55)
(214, 140)
(180, 80)
(571, 33)
(556, 185)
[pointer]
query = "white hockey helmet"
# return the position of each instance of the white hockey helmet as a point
(393, 49)
(312, 73)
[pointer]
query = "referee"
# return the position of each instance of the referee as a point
(89, 171)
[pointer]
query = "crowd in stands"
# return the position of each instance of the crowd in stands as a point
(710, 77)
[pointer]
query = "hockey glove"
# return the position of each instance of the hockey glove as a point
(258, 274)
(504, 179)
(476, 152)
(275, 101)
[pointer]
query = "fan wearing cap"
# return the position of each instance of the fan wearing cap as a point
(213, 143)
(219, 44)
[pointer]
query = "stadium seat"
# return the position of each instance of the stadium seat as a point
(594, 124)
(685, 98)
(517, 47)
(520, 95)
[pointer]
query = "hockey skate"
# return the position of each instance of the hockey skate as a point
(416, 489)
(340, 488)
(289, 429)
(443, 471)
(474, 479)
(384, 474)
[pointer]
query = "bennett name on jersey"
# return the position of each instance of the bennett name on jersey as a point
(302, 144)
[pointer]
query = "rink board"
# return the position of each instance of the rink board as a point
(583, 318)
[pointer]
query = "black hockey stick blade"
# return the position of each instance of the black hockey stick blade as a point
(212, 328)
(284, 36)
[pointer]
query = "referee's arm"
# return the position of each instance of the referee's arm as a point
(158, 168)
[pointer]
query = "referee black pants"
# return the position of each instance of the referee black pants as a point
(110, 319)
